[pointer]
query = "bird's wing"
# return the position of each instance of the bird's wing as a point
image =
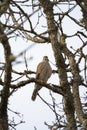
(40, 68)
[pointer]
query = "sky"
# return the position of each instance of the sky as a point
(36, 113)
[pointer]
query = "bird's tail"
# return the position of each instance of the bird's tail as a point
(35, 92)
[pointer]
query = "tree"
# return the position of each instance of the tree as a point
(69, 60)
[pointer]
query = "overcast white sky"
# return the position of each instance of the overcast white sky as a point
(35, 113)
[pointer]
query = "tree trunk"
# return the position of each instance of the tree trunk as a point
(4, 123)
(7, 80)
(52, 29)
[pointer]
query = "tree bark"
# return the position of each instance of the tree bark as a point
(7, 81)
(3, 124)
(83, 5)
(52, 29)
(75, 86)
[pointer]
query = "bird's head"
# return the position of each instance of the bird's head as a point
(45, 58)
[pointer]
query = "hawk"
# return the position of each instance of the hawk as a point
(43, 73)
